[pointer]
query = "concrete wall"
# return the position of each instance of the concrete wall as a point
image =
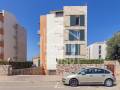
(55, 39)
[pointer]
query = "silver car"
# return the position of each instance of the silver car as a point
(90, 76)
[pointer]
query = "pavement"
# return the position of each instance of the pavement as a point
(44, 83)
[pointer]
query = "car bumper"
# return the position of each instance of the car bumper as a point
(65, 81)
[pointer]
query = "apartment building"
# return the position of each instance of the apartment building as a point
(97, 50)
(12, 38)
(63, 34)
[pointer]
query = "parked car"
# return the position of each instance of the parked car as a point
(90, 76)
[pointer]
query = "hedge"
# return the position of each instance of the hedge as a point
(18, 65)
(79, 61)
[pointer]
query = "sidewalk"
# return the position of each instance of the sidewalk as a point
(36, 78)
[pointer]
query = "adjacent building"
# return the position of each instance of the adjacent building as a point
(97, 50)
(36, 61)
(12, 38)
(63, 34)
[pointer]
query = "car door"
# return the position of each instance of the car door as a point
(86, 77)
(99, 75)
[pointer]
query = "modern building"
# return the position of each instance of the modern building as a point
(12, 38)
(63, 34)
(97, 50)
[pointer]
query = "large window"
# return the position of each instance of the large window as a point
(77, 20)
(72, 49)
(76, 35)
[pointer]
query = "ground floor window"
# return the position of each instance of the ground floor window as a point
(72, 49)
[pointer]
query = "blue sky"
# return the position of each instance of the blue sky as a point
(103, 17)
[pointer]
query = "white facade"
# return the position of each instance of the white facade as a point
(54, 40)
(97, 50)
(13, 37)
(66, 35)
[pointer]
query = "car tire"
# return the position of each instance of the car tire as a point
(108, 83)
(73, 82)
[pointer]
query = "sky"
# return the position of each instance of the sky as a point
(103, 18)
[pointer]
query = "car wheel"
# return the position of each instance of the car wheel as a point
(108, 82)
(73, 82)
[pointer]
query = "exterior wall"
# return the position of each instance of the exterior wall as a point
(55, 39)
(93, 50)
(9, 33)
(21, 49)
(43, 41)
(75, 10)
(10, 40)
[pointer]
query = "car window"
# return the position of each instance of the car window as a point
(89, 71)
(107, 72)
(99, 71)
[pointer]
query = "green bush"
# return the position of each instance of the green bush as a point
(80, 61)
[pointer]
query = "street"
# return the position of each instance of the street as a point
(33, 83)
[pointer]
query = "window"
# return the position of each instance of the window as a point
(99, 51)
(99, 56)
(76, 35)
(77, 20)
(99, 47)
(72, 49)
(82, 20)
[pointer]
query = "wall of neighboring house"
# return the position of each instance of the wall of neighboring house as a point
(14, 38)
(21, 48)
(9, 36)
(97, 51)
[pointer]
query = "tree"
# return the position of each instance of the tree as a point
(113, 47)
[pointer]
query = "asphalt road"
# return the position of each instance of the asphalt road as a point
(31, 85)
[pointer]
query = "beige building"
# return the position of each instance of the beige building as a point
(63, 34)
(97, 50)
(12, 38)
